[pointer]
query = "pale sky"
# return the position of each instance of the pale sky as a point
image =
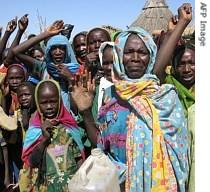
(83, 14)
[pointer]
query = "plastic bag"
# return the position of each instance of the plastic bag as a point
(97, 174)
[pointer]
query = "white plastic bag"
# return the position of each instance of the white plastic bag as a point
(97, 174)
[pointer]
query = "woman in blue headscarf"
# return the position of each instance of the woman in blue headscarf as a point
(60, 62)
(142, 123)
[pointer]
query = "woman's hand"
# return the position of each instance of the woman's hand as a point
(64, 72)
(11, 26)
(172, 23)
(56, 27)
(185, 12)
(23, 23)
(83, 91)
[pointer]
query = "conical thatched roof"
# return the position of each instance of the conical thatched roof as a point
(154, 16)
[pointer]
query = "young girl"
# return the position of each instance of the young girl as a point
(53, 141)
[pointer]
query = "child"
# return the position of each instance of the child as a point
(25, 93)
(53, 141)
(15, 75)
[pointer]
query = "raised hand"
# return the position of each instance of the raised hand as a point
(83, 91)
(23, 23)
(172, 23)
(11, 26)
(56, 27)
(185, 12)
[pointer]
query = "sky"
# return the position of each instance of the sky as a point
(83, 14)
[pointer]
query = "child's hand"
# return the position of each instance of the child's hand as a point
(47, 129)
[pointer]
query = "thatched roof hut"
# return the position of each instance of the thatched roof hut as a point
(154, 16)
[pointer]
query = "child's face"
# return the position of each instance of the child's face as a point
(107, 60)
(48, 100)
(15, 76)
(25, 97)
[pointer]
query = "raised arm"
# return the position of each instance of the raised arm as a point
(22, 25)
(19, 50)
(83, 95)
(170, 42)
(11, 26)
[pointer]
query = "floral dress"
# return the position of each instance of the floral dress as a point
(61, 163)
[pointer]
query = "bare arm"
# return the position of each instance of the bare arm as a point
(22, 25)
(11, 26)
(6, 165)
(170, 42)
(83, 98)
(19, 50)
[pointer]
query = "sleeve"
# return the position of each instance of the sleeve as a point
(38, 68)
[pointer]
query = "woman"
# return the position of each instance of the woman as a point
(183, 74)
(142, 123)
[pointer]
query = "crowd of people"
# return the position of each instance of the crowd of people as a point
(127, 93)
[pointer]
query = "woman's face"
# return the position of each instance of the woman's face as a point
(107, 60)
(48, 100)
(95, 39)
(15, 76)
(25, 96)
(135, 57)
(58, 54)
(185, 69)
(80, 46)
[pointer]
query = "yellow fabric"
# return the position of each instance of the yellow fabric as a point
(162, 169)
(8, 122)
(160, 174)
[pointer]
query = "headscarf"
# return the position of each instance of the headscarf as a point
(70, 60)
(157, 108)
(114, 35)
(34, 133)
(104, 83)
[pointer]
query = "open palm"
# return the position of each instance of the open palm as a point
(56, 27)
(82, 98)
(83, 92)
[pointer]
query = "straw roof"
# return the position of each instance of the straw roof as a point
(154, 16)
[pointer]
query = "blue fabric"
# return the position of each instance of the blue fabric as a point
(33, 80)
(119, 50)
(70, 59)
(118, 114)
(70, 62)
(34, 133)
